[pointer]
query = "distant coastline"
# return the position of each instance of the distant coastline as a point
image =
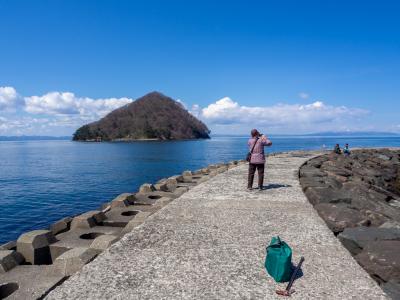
(355, 134)
(34, 138)
(321, 134)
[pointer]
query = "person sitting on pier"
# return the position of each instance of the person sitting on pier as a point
(337, 149)
(256, 144)
(346, 150)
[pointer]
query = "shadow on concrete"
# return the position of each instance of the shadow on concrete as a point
(299, 272)
(275, 186)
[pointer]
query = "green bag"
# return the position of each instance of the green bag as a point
(279, 260)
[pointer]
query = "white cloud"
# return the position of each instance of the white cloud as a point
(50, 125)
(52, 103)
(196, 111)
(16, 126)
(60, 113)
(9, 99)
(183, 104)
(51, 113)
(283, 116)
(304, 96)
(56, 103)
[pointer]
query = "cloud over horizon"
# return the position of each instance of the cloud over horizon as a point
(61, 113)
(44, 114)
(56, 103)
(285, 117)
(9, 99)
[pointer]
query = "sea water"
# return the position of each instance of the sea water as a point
(43, 181)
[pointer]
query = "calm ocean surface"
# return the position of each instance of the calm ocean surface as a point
(43, 181)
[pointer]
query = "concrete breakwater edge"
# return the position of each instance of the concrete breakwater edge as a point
(40, 260)
(210, 244)
(207, 243)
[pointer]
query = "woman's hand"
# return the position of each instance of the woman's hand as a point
(265, 140)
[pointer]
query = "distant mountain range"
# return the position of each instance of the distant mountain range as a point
(352, 133)
(322, 134)
(153, 116)
(33, 138)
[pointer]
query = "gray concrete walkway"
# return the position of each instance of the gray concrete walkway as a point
(210, 244)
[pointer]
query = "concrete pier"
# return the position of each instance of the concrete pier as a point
(210, 244)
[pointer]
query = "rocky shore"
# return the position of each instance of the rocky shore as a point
(358, 196)
(41, 260)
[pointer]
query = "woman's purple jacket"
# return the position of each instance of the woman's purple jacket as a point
(258, 156)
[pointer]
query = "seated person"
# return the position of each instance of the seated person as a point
(346, 149)
(337, 149)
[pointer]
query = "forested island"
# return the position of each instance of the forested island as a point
(153, 116)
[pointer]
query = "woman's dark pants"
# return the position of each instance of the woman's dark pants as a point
(252, 170)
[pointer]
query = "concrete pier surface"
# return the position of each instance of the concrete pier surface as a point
(210, 244)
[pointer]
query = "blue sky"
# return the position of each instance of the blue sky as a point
(282, 66)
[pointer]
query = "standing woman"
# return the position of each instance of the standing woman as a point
(256, 145)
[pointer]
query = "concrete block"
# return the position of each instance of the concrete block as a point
(187, 179)
(103, 242)
(232, 164)
(197, 172)
(152, 197)
(187, 185)
(197, 179)
(7, 289)
(147, 188)
(76, 238)
(187, 173)
(120, 216)
(141, 207)
(29, 282)
(162, 180)
(123, 200)
(213, 173)
(205, 171)
(202, 179)
(162, 202)
(105, 206)
(171, 184)
(18, 257)
(178, 178)
(138, 220)
(61, 225)
(88, 219)
(222, 169)
(34, 246)
(180, 190)
(161, 186)
(9, 259)
(9, 246)
(73, 260)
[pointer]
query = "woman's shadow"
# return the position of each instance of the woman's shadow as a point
(275, 186)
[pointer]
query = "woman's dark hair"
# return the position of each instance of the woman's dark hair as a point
(254, 132)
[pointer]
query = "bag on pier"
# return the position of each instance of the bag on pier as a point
(279, 260)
